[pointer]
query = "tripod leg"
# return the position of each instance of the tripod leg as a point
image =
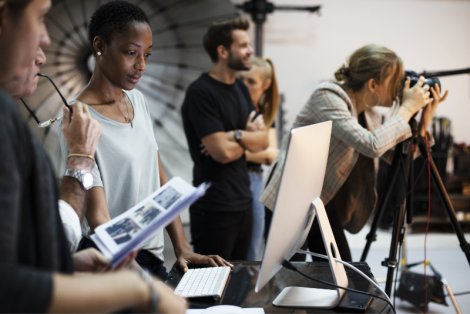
(397, 235)
(383, 201)
(447, 203)
(398, 231)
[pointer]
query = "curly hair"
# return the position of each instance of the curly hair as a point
(111, 17)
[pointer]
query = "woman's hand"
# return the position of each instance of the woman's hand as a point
(429, 111)
(186, 257)
(91, 260)
(414, 98)
(256, 124)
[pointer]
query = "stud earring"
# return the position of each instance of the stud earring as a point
(98, 53)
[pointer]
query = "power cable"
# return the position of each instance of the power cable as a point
(290, 266)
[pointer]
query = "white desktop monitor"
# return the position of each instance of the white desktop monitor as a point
(297, 204)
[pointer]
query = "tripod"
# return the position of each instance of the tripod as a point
(398, 189)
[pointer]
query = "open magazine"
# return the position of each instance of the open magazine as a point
(131, 230)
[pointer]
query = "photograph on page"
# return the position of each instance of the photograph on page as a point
(122, 231)
(131, 226)
(144, 215)
(167, 197)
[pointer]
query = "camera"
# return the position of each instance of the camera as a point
(414, 77)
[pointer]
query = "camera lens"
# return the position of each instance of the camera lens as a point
(433, 81)
(429, 81)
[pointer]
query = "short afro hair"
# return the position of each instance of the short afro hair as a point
(111, 17)
(221, 34)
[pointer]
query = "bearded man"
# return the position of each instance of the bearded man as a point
(220, 124)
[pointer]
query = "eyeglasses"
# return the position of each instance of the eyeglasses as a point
(50, 121)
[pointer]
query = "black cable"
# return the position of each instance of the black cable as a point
(290, 266)
(385, 308)
(460, 293)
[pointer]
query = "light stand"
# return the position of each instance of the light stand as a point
(259, 9)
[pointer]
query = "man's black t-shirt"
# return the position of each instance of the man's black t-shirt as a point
(211, 106)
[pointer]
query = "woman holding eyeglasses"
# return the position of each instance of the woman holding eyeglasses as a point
(37, 271)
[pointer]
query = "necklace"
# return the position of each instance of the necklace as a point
(127, 109)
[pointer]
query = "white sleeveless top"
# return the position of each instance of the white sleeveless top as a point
(126, 163)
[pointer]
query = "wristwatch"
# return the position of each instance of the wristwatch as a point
(84, 177)
(238, 135)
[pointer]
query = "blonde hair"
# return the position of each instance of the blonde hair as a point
(269, 101)
(372, 61)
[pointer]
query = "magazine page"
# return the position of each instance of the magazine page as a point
(159, 223)
(126, 231)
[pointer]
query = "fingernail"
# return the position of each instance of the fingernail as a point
(186, 269)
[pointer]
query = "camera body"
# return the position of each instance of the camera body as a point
(414, 77)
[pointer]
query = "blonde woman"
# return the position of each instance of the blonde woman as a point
(372, 77)
(262, 85)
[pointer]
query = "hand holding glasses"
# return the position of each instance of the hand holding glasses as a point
(50, 121)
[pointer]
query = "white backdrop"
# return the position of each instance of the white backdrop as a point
(427, 35)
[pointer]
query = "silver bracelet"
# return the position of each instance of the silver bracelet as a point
(154, 298)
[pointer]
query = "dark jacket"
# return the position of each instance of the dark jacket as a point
(32, 240)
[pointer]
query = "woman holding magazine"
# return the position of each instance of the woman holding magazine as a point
(128, 167)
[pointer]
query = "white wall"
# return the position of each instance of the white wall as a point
(427, 35)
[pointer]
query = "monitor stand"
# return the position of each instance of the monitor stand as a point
(314, 297)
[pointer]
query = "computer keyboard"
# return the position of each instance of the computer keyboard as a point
(203, 282)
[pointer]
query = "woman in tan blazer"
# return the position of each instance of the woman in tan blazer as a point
(372, 77)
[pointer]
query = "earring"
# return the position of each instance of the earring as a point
(98, 53)
(378, 100)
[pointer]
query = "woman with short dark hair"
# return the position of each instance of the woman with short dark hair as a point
(128, 166)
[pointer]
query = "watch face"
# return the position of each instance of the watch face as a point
(88, 180)
(238, 135)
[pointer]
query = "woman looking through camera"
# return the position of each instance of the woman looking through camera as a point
(372, 77)
(262, 85)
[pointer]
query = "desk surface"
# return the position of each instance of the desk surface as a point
(240, 290)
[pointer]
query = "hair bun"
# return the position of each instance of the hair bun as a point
(342, 74)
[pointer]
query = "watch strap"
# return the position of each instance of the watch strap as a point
(77, 174)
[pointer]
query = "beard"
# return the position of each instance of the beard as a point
(236, 64)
